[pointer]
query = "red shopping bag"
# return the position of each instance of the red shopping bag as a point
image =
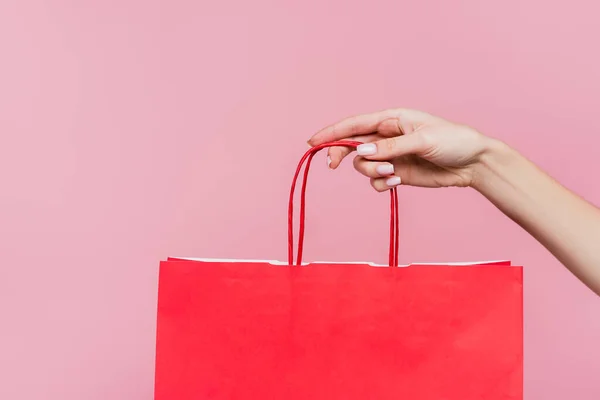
(263, 330)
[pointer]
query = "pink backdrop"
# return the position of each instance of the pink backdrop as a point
(133, 130)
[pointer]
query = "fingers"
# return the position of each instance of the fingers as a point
(387, 123)
(336, 154)
(383, 184)
(353, 126)
(381, 173)
(373, 169)
(388, 149)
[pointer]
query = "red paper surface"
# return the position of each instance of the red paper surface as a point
(323, 331)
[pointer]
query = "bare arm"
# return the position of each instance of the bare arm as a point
(564, 223)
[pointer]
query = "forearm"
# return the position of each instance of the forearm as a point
(564, 223)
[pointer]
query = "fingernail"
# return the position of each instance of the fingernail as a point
(328, 162)
(367, 149)
(385, 169)
(393, 181)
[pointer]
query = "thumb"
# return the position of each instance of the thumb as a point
(336, 154)
(388, 149)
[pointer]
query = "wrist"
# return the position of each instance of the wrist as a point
(491, 163)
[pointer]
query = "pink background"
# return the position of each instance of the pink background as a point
(134, 130)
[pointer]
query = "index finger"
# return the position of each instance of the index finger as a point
(353, 126)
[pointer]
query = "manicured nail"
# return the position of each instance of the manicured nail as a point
(385, 169)
(328, 162)
(393, 181)
(367, 149)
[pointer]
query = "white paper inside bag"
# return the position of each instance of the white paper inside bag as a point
(274, 262)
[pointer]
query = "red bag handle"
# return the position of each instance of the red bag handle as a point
(308, 156)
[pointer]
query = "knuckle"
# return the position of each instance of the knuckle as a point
(424, 141)
(398, 111)
(389, 145)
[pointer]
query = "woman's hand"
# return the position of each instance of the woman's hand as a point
(419, 149)
(409, 147)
